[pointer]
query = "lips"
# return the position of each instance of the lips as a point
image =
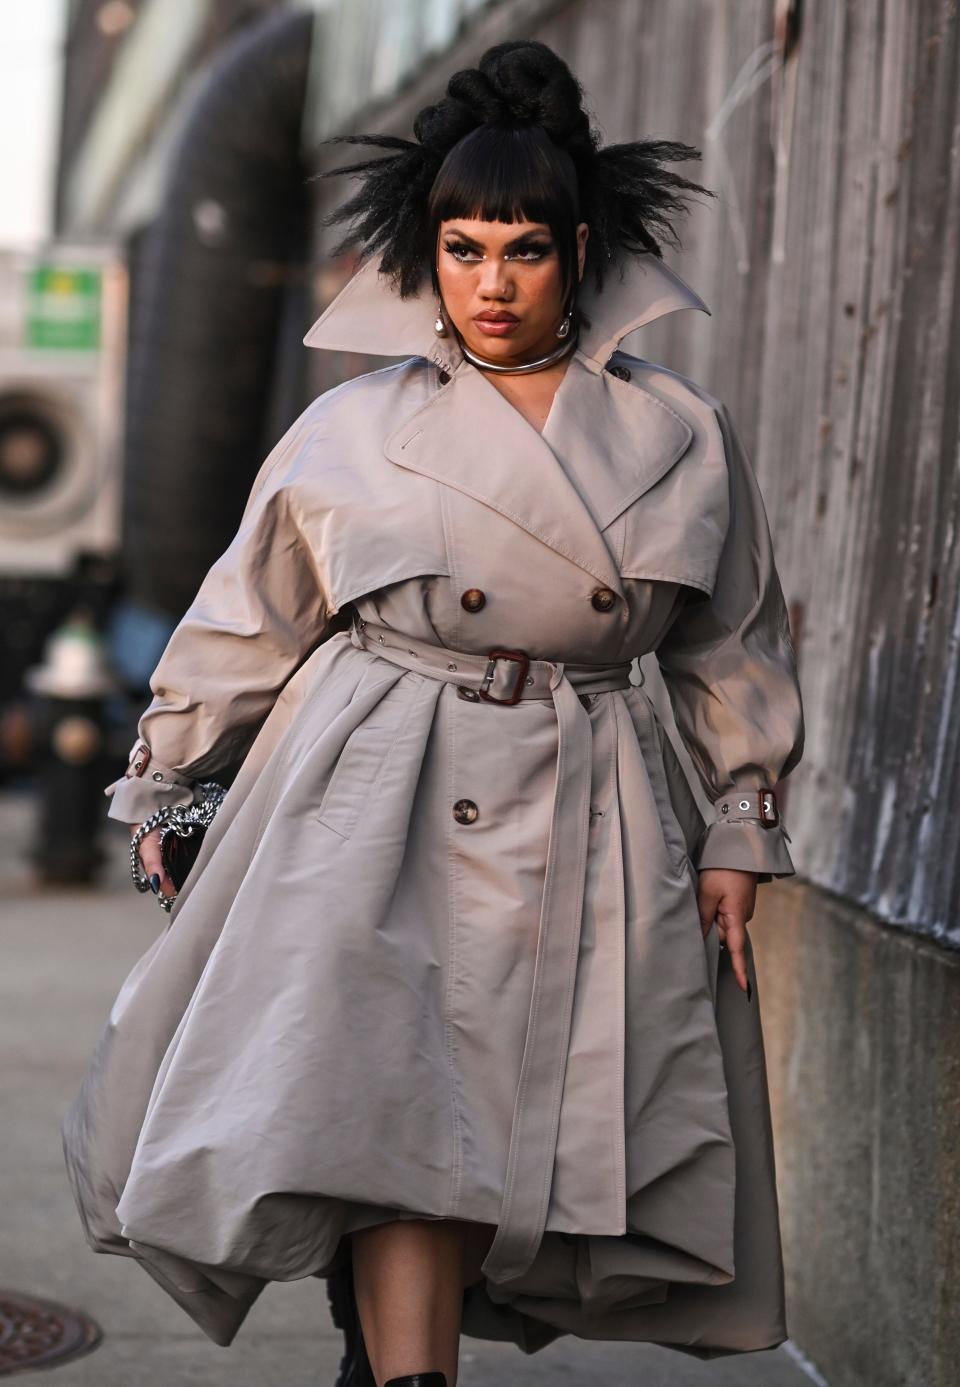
(496, 323)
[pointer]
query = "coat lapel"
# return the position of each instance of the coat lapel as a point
(471, 438)
(617, 438)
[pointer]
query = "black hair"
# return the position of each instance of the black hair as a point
(511, 141)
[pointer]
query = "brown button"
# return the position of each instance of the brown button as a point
(465, 811)
(473, 599)
(621, 372)
(603, 599)
(443, 376)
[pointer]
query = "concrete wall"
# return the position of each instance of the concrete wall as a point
(862, 1036)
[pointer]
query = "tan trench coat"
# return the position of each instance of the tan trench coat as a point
(441, 956)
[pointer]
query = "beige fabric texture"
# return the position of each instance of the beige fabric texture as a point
(365, 1006)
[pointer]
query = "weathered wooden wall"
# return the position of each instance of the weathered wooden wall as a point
(829, 261)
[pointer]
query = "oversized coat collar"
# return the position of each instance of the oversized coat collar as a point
(618, 439)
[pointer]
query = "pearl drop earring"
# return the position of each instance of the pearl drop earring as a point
(439, 326)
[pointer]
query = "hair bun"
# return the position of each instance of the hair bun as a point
(524, 82)
(471, 90)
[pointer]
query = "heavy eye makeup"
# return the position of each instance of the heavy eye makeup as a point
(530, 251)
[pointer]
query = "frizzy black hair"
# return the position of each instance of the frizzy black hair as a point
(511, 140)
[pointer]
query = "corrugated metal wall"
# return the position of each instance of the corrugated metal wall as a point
(830, 263)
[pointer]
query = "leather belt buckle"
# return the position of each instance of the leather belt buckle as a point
(523, 662)
(769, 813)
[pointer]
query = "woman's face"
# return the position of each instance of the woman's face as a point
(510, 270)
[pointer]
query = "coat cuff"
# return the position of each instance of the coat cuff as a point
(750, 847)
(145, 786)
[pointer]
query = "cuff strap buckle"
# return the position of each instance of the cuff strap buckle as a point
(751, 804)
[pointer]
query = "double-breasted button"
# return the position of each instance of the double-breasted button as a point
(443, 376)
(465, 811)
(473, 599)
(621, 372)
(603, 599)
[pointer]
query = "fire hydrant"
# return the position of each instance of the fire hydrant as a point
(71, 688)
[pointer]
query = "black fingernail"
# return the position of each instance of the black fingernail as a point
(155, 883)
(749, 991)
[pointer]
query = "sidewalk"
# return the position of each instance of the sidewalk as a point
(63, 956)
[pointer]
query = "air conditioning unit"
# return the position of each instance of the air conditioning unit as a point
(62, 336)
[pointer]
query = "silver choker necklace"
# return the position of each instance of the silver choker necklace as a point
(554, 355)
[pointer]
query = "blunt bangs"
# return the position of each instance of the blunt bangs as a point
(508, 174)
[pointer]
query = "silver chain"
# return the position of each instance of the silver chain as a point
(182, 819)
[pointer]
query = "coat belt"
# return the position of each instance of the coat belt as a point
(536, 1116)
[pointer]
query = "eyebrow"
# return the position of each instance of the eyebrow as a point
(516, 241)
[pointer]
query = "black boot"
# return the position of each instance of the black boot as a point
(355, 1370)
(418, 1380)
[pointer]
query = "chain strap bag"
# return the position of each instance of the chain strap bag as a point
(181, 839)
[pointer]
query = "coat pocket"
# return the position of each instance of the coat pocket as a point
(354, 777)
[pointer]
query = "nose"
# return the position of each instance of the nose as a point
(495, 280)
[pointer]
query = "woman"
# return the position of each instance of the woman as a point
(444, 1012)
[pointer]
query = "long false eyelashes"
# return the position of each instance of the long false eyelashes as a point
(527, 252)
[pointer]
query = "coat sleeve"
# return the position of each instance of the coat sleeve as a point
(258, 613)
(729, 666)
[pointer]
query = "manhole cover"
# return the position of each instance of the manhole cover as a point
(36, 1332)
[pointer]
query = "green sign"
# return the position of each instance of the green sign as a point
(63, 309)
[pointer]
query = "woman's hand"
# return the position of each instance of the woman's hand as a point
(150, 857)
(729, 895)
